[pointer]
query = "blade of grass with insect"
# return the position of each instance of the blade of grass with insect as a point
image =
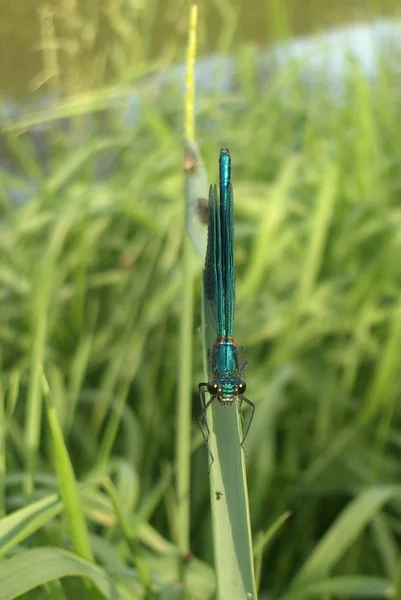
(228, 487)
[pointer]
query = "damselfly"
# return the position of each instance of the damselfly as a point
(226, 368)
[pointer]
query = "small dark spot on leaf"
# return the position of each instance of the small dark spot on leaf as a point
(189, 160)
(126, 261)
(186, 558)
(218, 495)
(203, 205)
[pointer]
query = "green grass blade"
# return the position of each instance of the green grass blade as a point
(263, 541)
(33, 568)
(3, 464)
(343, 533)
(40, 308)
(196, 193)
(357, 586)
(22, 523)
(264, 239)
(183, 441)
(68, 484)
(175, 591)
(381, 389)
(320, 227)
(230, 507)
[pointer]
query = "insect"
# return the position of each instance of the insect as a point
(226, 366)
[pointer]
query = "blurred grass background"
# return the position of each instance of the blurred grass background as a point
(90, 291)
(95, 41)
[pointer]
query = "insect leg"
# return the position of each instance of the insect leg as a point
(251, 404)
(202, 419)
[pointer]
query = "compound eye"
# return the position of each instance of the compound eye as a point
(213, 387)
(241, 387)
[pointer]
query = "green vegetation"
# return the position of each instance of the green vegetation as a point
(90, 312)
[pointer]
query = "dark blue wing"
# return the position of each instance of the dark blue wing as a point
(219, 273)
(213, 274)
(227, 248)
